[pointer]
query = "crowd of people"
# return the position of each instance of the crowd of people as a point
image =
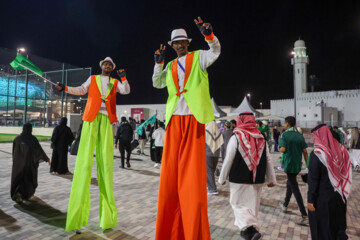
(188, 147)
(246, 164)
(247, 161)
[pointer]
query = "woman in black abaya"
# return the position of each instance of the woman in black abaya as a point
(27, 154)
(61, 140)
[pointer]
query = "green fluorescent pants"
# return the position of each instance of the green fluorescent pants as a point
(97, 134)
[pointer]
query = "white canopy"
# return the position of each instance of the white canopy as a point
(217, 111)
(271, 117)
(244, 107)
(228, 118)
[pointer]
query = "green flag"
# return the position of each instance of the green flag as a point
(22, 63)
(140, 128)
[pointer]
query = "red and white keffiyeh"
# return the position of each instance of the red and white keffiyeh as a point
(251, 141)
(335, 158)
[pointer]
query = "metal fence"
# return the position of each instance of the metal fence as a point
(25, 97)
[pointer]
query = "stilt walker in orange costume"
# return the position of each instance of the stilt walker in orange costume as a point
(182, 205)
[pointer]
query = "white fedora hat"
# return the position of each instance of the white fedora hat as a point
(107, 59)
(178, 34)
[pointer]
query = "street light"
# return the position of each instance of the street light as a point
(20, 49)
(249, 96)
(261, 105)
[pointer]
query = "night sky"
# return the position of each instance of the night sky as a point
(257, 38)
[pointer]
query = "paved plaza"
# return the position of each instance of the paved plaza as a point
(136, 191)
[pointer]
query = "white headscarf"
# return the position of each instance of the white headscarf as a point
(214, 138)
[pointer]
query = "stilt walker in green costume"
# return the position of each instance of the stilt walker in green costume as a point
(97, 133)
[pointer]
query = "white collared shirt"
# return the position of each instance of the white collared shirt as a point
(159, 136)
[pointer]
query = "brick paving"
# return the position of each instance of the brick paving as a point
(136, 197)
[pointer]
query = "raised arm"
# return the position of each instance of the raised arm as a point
(159, 75)
(208, 57)
(123, 87)
(81, 90)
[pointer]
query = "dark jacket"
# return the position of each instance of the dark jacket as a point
(124, 133)
(276, 134)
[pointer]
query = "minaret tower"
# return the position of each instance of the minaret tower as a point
(300, 61)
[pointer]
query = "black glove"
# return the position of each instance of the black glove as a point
(62, 87)
(159, 56)
(203, 30)
(121, 74)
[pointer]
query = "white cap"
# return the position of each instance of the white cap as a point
(178, 34)
(107, 59)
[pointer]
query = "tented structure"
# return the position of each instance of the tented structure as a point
(271, 118)
(244, 107)
(217, 111)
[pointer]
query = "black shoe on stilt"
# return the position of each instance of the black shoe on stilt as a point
(128, 164)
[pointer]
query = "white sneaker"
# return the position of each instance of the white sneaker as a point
(156, 165)
(213, 193)
(303, 221)
(283, 208)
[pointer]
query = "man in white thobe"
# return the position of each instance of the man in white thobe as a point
(247, 163)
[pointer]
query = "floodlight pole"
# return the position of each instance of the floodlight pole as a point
(62, 92)
(15, 97)
(45, 105)
(66, 99)
(7, 102)
(26, 92)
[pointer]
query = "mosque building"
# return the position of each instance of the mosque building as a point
(335, 108)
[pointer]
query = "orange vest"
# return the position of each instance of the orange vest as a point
(95, 99)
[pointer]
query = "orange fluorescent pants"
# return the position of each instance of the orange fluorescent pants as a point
(182, 204)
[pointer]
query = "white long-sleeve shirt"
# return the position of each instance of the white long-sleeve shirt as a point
(159, 136)
(231, 149)
(206, 58)
(122, 88)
